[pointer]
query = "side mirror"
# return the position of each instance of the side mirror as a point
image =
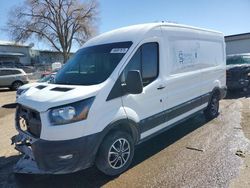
(134, 82)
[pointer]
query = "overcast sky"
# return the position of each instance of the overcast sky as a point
(227, 16)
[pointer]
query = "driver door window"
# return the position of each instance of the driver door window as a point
(145, 60)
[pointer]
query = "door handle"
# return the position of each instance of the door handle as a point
(161, 87)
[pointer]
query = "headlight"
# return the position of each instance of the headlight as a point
(20, 92)
(248, 74)
(70, 113)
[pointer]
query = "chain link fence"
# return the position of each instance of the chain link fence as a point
(39, 70)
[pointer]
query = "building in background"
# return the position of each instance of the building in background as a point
(19, 53)
(237, 44)
(13, 52)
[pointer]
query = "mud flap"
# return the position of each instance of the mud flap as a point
(27, 163)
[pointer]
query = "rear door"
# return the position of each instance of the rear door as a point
(7, 77)
(145, 108)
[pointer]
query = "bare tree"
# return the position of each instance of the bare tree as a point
(61, 23)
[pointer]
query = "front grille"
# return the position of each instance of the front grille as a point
(28, 120)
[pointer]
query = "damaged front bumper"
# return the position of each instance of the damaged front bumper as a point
(27, 163)
(54, 157)
(49, 156)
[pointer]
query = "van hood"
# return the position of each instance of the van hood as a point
(41, 97)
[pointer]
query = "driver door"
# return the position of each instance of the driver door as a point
(146, 107)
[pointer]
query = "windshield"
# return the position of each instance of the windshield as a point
(92, 65)
(235, 60)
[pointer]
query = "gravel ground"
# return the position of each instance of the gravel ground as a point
(195, 153)
(243, 180)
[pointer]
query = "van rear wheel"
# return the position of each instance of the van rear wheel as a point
(212, 110)
(115, 153)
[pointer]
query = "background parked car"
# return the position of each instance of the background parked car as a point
(12, 78)
(48, 73)
(238, 72)
(10, 64)
(48, 78)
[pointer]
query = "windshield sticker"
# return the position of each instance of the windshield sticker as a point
(119, 50)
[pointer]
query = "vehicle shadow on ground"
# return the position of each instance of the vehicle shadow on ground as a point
(160, 142)
(6, 167)
(92, 177)
(9, 106)
(4, 90)
(7, 109)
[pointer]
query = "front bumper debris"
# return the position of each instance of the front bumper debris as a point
(27, 163)
(54, 157)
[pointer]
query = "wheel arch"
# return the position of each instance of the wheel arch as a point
(16, 81)
(215, 91)
(126, 125)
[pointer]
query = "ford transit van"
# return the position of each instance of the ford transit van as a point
(120, 89)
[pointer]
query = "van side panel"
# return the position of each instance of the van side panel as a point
(214, 75)
(195, 65)
(183, 68)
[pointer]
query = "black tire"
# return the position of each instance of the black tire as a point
(113, 162)
(212, 110)
(15, 85)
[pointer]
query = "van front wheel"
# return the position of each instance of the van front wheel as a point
(212, 110)
(115, 153)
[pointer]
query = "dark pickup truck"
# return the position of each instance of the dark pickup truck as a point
(238, 72)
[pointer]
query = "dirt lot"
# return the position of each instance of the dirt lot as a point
(195, 153)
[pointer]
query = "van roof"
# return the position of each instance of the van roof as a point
(136, 32)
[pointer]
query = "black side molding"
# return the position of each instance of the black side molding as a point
(167, 115)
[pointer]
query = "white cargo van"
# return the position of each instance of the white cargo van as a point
(121, 88)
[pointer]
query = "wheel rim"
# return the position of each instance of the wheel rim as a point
(17, 85)
(119, 153)
(214, 106)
